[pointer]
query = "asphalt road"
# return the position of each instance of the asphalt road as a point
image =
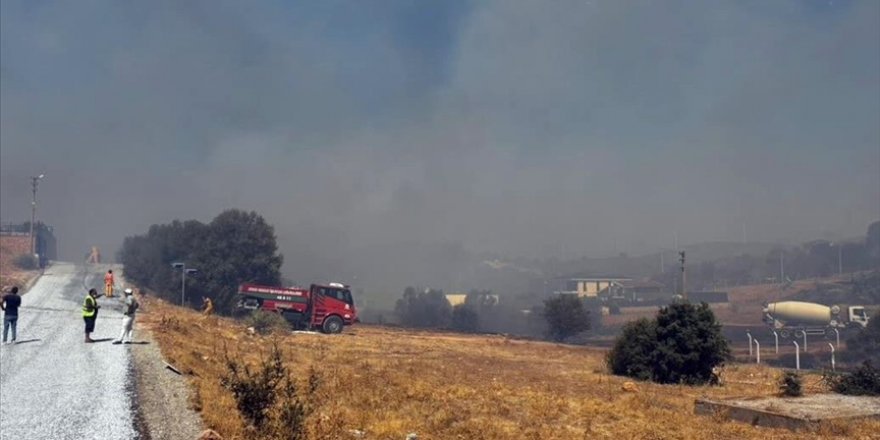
(52, 384)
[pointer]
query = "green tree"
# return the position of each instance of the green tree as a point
(633, 351)
(465, 319)
(566, 316)
(428, 308)
(236, 247)
(683, 344)
(689, 344)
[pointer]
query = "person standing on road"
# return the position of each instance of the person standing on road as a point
(108, 284)
(10, 304)
(129, 307)
(90, 313)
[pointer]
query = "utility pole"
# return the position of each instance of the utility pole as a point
(35, 180)
(683, 276)
(661, 262)
(840, 258)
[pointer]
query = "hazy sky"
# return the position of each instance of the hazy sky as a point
(520, 127)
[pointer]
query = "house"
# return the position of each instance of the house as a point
(590, 287)
(638, 290)
(456, 299)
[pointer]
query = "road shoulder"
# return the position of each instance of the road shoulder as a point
(163, 396)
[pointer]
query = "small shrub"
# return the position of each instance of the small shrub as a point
(269, 399)
(864, 381)
(266, 322)
(26, 262)
(790, 385)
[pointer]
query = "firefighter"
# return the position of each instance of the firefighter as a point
(90, 313)
(108, 284)
(207, 306)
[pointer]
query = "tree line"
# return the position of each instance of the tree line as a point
(816, 258)
(235, 247)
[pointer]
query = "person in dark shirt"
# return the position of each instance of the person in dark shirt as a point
(10, 304)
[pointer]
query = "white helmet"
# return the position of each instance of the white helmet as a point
(128, 291)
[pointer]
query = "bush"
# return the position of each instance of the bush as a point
(683, 344)
(566, 316)
(864, 381)
(790, 385)
(26, 262)
(266, 322)
(465, 319)
(269, 399)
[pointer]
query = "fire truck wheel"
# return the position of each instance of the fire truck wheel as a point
(332, 325)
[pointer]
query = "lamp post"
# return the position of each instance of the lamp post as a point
(183, 272)
(35, 181)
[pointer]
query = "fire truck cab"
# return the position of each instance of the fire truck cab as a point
(327, 308)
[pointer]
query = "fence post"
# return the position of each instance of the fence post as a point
(749, 334)
(758, 350)
(797, 355)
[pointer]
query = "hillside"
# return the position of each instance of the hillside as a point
(390, 382)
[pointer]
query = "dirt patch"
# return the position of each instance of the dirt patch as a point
(163, 396)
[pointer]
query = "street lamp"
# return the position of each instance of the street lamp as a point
(183, 272)
(35, 180)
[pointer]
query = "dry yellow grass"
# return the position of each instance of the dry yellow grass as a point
(389, 382)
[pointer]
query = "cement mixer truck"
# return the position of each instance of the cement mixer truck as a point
(797, 318)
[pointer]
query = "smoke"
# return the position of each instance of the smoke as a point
(364, 131)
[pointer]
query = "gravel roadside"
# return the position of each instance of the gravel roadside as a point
(163, 396)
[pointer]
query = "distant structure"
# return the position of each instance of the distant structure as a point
(456, 298)
(17, 236)
(460, 298)
(637, 291)
(590, 287)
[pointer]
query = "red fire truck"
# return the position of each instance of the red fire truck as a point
(324, 307)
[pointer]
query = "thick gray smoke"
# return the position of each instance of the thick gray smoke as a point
(360, 129)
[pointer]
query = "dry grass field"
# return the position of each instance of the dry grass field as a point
(390, 382)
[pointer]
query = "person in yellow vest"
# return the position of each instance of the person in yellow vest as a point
(90, 313)
(108, 284)
(207, 306)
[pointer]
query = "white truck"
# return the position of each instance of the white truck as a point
(796, 317)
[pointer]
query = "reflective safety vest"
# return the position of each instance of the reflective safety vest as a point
(94, 307)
